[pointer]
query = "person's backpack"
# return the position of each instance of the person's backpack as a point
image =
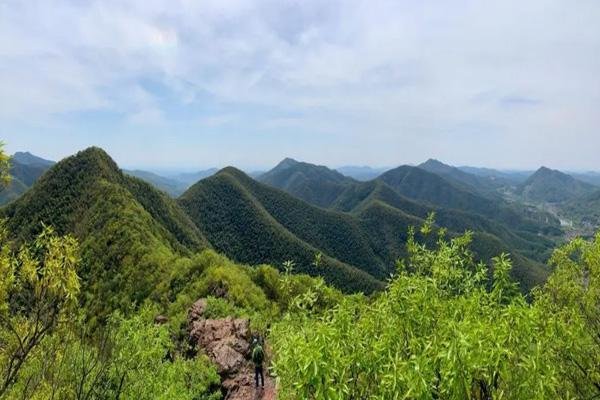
(258, 354)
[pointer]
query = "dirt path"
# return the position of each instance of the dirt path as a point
(269, 392)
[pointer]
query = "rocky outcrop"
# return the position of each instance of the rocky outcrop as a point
(227, 343)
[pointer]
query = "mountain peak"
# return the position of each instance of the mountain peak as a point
(433, 161)
(553, 186)
(26, 158)
(287, 163)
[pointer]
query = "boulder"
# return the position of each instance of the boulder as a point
(226, 342)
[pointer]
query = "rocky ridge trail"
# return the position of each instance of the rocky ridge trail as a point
(227, 344)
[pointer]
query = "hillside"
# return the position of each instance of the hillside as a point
(461, 178)
(584, 211)
(552, 186)
(315, 184)
(255, 224)
(423, 186)
(24, 171)
(591, 177)
(128, 231)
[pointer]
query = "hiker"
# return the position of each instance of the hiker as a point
(258, 356)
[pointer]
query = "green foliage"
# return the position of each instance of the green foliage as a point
(131, 358)
(437, 332)
(142, 368)
(38, 288)
(4, 167)
(129, 233)
(571, 302)
(383, 216)
(253, 223)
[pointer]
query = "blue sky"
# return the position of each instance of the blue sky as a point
(192, 84)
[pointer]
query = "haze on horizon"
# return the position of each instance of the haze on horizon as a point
(182, 84)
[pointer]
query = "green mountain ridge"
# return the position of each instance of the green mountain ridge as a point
(253, 223)
(481, 184)
(369, 233)
(315, 184)
(552, 186)
(128, 231)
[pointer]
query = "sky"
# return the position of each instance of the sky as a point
(192, 84)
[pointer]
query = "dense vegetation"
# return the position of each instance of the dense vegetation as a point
(437, 332)
(314, 184)
(78, 302)
(256, 224)
(128, 232)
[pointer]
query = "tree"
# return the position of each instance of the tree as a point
(4, 167)
(38, 288)
(571, 302)
(439, 331)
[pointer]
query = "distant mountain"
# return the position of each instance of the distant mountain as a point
(315, 184)
(461, 178)
(416, 192)
(362, 173)
(255, 174)
(584, 210)
(173, 187)
(189, 178)
(590, 177)
(25, 170)
(512, 177)
(552, 186)
(27, 158)
(127, 230)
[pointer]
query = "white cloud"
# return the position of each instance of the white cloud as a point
(400, 73)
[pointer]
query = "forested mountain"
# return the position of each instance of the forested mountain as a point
(315, 184)
(255, 223)
(359, 237)
(552, 186)
(24, 171)
(584, 210)
(483, 184)
(128, 231)
(143, 269)
(423, 186)
(174, 185)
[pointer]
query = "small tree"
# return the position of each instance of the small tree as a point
(38, 287)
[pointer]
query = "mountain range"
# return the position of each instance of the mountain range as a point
(297, 211)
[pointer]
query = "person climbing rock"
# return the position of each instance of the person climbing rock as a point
(258, 356)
